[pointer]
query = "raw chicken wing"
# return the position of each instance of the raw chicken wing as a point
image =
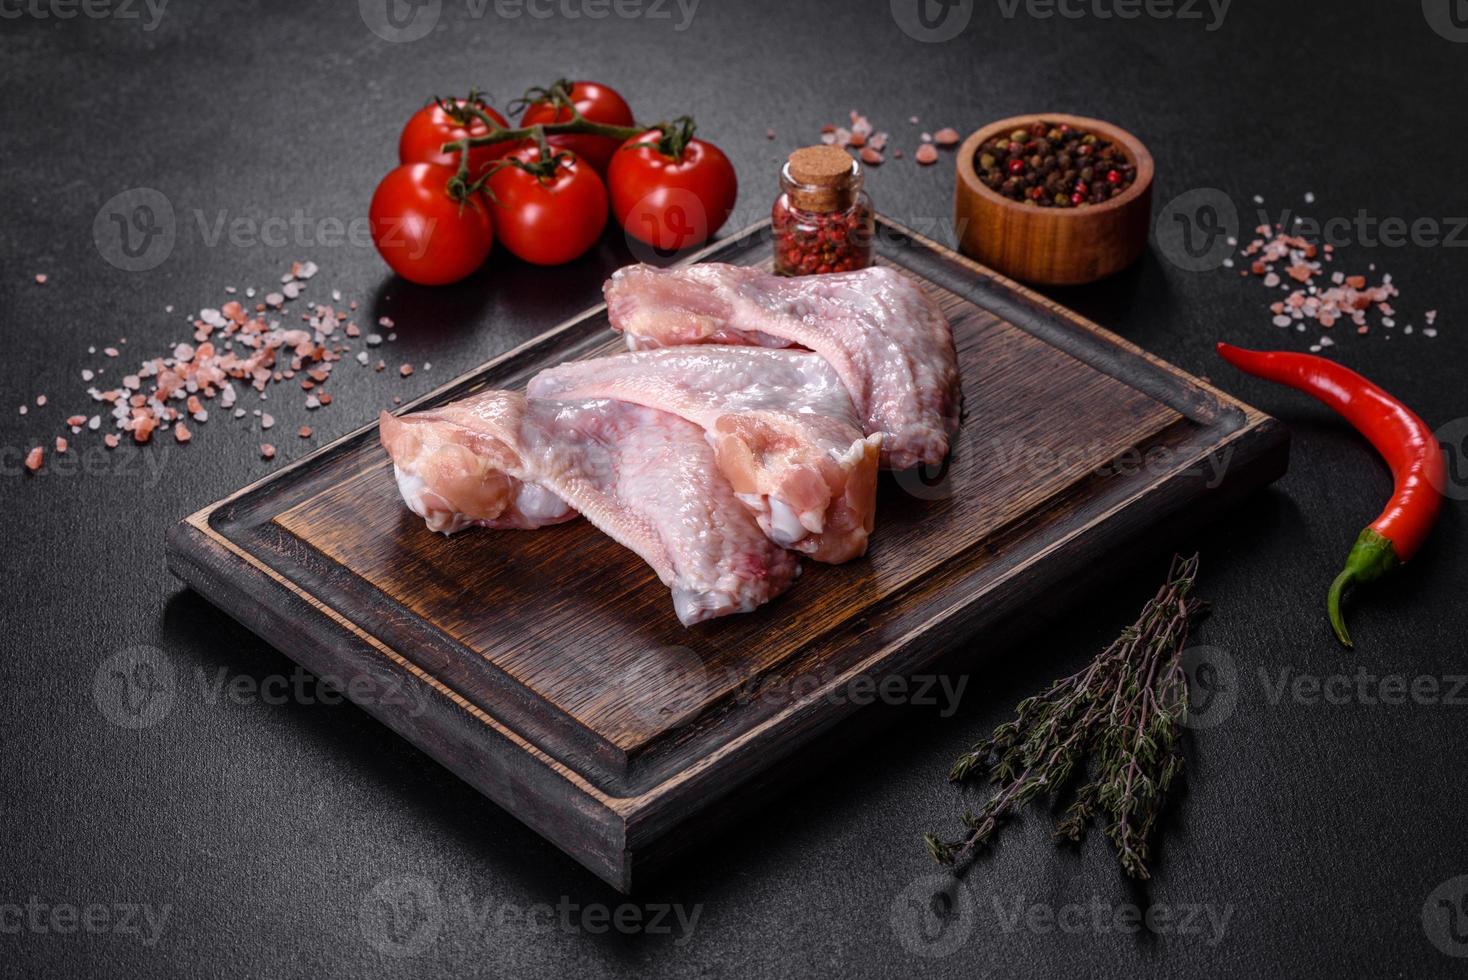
(646, 478)
(781, 425)
(887, 340)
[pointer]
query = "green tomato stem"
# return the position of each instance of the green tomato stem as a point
(577, 126)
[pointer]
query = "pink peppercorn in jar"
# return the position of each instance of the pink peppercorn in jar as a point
(822, 219)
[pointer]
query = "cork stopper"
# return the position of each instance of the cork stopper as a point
(822, 178)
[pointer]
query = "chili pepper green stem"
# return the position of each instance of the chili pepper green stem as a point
(1371, 557)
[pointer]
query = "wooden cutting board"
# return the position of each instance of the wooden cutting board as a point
(547, 669)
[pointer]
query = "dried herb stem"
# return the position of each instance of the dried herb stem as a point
(1121, 717)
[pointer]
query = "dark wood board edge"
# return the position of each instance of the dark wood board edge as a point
(1256, 455)
(522, 780)
(648, 864)
(1202, 411)
(626, 846)
(534, 786)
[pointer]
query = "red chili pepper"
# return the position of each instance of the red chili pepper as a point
(1399, 435)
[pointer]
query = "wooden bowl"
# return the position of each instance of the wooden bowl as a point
(1053, 246)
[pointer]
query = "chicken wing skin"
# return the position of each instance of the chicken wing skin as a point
(886, 339)
(781, 425)
(646, 478)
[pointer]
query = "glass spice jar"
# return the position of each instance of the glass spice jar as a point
(822, 219)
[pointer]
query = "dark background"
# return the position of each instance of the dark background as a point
(1320, 828)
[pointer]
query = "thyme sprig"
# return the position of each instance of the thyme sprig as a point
(1120, 717)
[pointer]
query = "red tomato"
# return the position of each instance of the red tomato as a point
(548, 220)
(430, 128)
(596, 103)
(422, 232)
(671, 204)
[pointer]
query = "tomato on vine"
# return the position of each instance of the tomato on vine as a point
(593, 102)
(447, 121)
(670, 190)
(423, 230)
(549, 209)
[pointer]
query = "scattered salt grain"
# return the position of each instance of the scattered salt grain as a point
(40, 279)
(267, 451)
(35, 458)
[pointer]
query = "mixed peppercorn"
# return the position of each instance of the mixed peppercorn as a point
(823, 220)
(809, 242)
(1054, 166)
